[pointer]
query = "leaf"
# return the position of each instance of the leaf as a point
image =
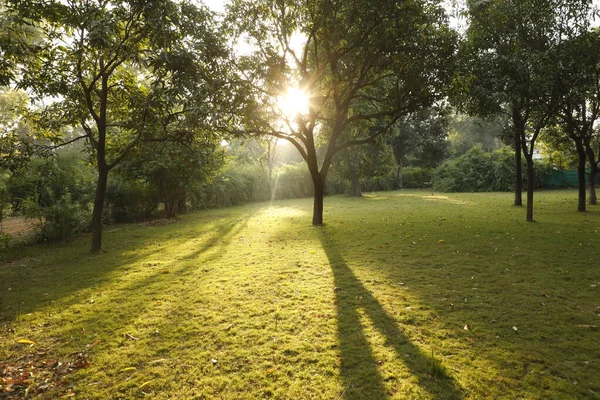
(25, 341)
(441, 241)
(128, 336)
(515, 328)
(467, 327)
(128, 369)
(146, 383)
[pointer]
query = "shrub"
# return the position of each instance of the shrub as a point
(417, 177)
(480, 171)
(130, 200)
(57, 192)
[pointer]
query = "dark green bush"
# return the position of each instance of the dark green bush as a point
(128, 201)
(417, 177)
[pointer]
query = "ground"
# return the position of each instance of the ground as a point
(406, 295)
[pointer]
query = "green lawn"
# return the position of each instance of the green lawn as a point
(401, 295)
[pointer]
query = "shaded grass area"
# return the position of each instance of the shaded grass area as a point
(400, 295)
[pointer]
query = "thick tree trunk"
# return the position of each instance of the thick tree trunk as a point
(592, 187)
(530, 185)
(318, 200)
(355, 184)
(581, 176)
(518, 171)
(96, 224)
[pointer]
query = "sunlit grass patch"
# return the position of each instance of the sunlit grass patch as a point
(396, 297)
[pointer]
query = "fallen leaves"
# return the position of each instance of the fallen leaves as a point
(26, 341)
(34, 374)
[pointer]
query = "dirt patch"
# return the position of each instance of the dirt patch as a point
(15, 226)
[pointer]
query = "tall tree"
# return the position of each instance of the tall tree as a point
(508, 62)
(125, 71)
(391, 59)
(413, 132)
(578, 86)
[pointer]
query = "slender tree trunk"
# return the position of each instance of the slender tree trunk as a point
(518, 171)
(580, 175)
(96, 224)
(592, 186)
(530, 185)
(103, 167)
(399, 179)
(355, 185)
(319, 183)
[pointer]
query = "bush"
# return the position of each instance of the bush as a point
(128, 201)
(417, 177)
(480, 171)
(378, 183)
(471, 172)
(57, 192)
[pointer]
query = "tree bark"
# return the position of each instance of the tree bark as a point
(318, 200)
(591, 157)
(96, 224)
(518, 171)
(580, 175)
(355, 186)
(592, 186)
(399, 179)
(530, 184)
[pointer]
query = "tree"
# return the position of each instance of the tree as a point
(125, 71)
(174, 169)
(16, 138)
(508, 62)
(464, 131)
(578, 86)
(422, 129)
(355, 63)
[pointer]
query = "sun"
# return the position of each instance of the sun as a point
(293, 103)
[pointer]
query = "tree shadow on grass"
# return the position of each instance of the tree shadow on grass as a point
(359, 369)
(53, 272)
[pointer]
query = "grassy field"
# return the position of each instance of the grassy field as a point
(402, 295)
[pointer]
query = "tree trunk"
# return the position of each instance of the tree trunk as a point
(592, 186)
(318, 200)
(399, 180)
(182, 202)
(580, 175)
(518, 172)
(98, 208)
(355, 185)
(530, 184)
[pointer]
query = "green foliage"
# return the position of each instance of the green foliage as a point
(56, 192)
(236, 184)
(293, 181)
(481, 171)
(171, 171)
(417, 177)
(130, 200)
(466, 131)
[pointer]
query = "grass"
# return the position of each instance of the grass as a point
(402, 295)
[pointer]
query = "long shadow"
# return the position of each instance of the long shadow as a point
(359, 368)
(32, 288)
